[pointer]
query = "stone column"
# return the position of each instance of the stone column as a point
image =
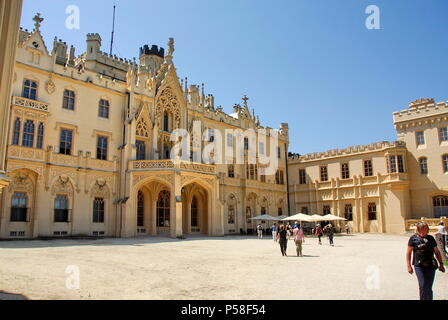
(153, 231)
(10, 13)
(176, 208)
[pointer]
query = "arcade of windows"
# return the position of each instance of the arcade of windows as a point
(32, 133)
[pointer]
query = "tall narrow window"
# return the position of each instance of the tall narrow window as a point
(261, 148)
(251, 171)
(28, 134)
(19, 208)
(141, 149)
(30, 89)
(230, 140)
(263, 210)
(368, 168)
(163, 209)
(279, 152)
(40, 136)
(400, 163)
(248, 214)
(246, 143)
(345, 172)
(279, 179)
(443, 134)
(231, 170)
(302, 176)
(16, 133)
(166, 122)
(194, 212)
(231, 215)
(371, 211)
(323, 173)
(326, 210)
(420, 138)
(103, 109)
(211, 135)
(445, 163)
(98, 210)
(101, 148)
(348, 212)
(69, 100)
(423, 165)
(140, 210)
(262, 175)
(61, 208)
(280, 211)
(392, 164)
(65, 143)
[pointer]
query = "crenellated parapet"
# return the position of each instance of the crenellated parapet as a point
(353, 150)
(420, 112)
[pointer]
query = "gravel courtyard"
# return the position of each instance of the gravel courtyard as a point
(360, 266)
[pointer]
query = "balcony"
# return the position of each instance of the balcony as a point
(30, 104)
(148, 165)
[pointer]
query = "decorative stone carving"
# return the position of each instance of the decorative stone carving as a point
(142, 128)
(168, 102)
(100, 188)
(50, 86)
(62, 185)
(21, 182)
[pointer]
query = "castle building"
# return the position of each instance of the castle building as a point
(90, 140)
(378, 187)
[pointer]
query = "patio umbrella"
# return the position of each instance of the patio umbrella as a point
(330, 217)
(316, 218)
(264, 217)
(298, 217)
(279, 218)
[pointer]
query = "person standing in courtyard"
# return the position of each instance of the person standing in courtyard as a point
(441, 239)
(260, 231)
(330, 233)
(274, 232)
(423, 247)
(347, 228)
(318, 233)
(299, 238)
(282, 239)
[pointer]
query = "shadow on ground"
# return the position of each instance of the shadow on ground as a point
(11, 296)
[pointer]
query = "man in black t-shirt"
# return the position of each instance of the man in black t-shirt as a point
(423, 247)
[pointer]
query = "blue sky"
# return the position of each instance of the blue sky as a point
(311, 63)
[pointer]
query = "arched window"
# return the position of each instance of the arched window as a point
(263, 210)
(16, 133)
(28, 134)
(194, 212)
(40, 136)
(140, 210)
(103, 109)
(166, 151)
(163, 209)
(19, 207)
(440, 204)
(98, 210)
(423, 165)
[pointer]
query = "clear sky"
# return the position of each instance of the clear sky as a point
(311, 63)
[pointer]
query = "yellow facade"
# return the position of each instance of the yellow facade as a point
(88, 149)
(381, 185)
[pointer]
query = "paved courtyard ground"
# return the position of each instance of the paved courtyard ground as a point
(360, 266)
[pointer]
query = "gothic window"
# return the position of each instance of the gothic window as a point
(28, 134)
(348, 212)
(101, 148)
(302, 176)
(140, 210)
(19, 208)
(231, 171)
(103, 109)
(142, 129)
(246, 143)
(166, 122)
(323, 173)
(141, 149)
(98, 210)
(371, 211)
(345, 172)
(166, 152)
(440, 204)
(368, 168)
(163, 209)
(423, 165)
(65, 143)
(40, 136)
(280, 211)
(263, 210)
(16, 133)
(251, 171)
(30, 89)
(231, 214)
(69, 100)
(61, 211)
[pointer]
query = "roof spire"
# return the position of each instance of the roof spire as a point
(38, 19)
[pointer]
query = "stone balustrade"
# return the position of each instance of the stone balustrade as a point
(170, 164)
(31, 104)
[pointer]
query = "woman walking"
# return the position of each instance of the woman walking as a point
(330, 233)
(281, 236)
(318, 232)
(423, 247)
(299, 238)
